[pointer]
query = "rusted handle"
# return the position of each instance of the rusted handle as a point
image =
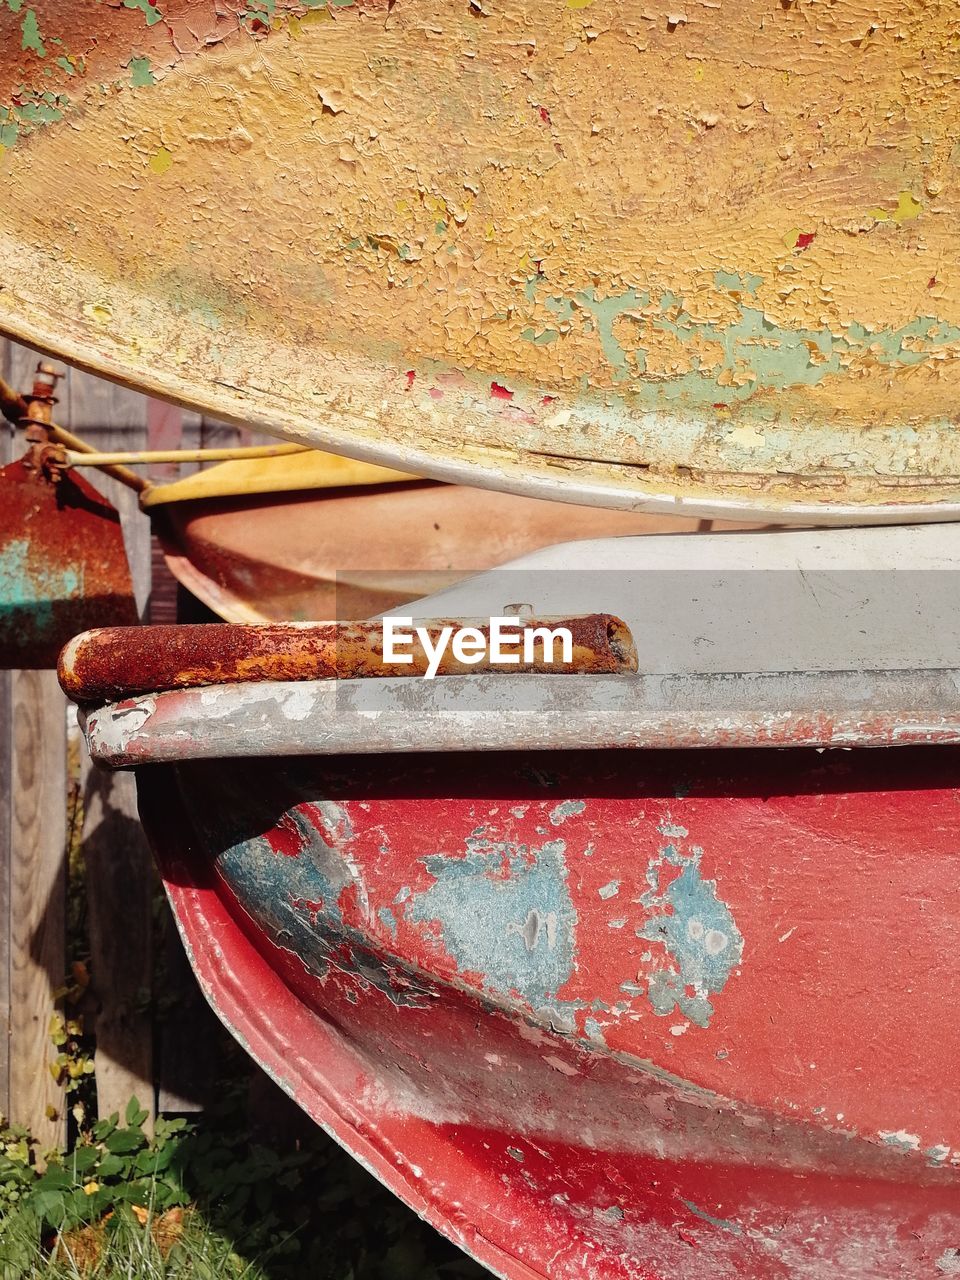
(117, 662)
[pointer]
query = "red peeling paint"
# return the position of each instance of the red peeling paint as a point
(436, 393)
(544, 115)
(805, 239)
(285, 839)
(931, 282)
(609, 1147)
(500, 393)
(410, 375)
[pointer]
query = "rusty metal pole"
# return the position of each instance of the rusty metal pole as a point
(39, 417)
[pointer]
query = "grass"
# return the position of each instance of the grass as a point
(207, 1201)
(123, 1246)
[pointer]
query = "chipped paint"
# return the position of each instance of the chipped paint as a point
(140, 73)
(722, 1224)
(519, 933)
(566, 809)
(581, 1138)
(614, 293)
(62, 565)
(901, 1140)
(19, 587)
(291, 883)
(696, 930)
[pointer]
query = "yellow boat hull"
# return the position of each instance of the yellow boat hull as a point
(694, 258)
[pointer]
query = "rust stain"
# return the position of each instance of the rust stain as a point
(63, 567)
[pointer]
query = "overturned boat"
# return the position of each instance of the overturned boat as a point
(433, 238)
(596, 1013)
(319, 536)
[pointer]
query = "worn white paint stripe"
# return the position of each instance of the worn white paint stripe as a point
(530, 712)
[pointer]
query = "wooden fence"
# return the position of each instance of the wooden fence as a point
(170, 1069)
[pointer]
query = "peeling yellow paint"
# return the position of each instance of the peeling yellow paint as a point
(642, 226)
(908, 208)
(98, 311)
(160, 161)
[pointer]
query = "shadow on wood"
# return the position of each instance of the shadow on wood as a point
(120, 883)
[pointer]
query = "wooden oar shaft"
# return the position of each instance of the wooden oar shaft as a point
(114, 663)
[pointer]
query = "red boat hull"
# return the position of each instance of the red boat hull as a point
(609, 1015)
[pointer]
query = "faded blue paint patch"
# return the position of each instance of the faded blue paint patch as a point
(672, 830)
(735, 283)
(606, 311)
(594, 1030)
(388, 919)
(697, 932)
(29, 590)
(504, 912)
(761, 354)
(566, 809)
(293, 896)
(150, 12)
(900, 1140)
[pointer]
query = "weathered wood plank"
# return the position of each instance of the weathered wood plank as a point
(6, 733)
(135, 525)
(118, 864)
(5, 860)
(188, 1035)
(38, 780)
(119, 880)
(164, 431)
(92, 403)
(118, 868)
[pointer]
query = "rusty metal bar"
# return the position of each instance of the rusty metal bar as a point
(111, 663)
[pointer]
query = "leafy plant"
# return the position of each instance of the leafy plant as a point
(207, 1201)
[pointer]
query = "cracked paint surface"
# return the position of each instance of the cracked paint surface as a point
(732, 276)
(292, 882)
